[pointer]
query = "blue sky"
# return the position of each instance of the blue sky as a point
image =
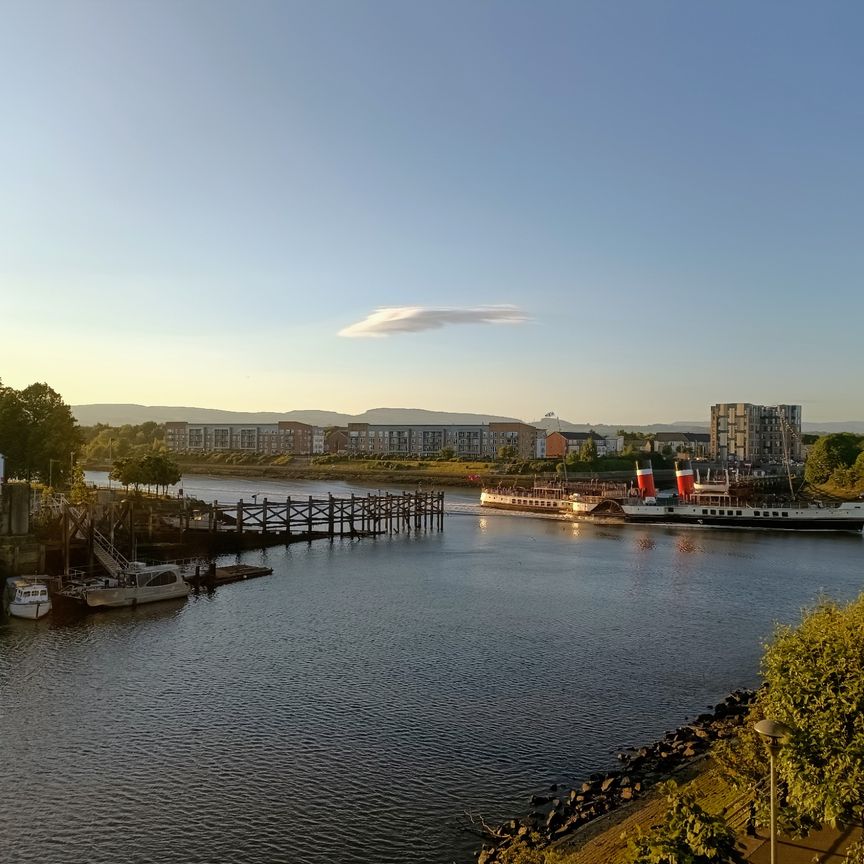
(197, 198)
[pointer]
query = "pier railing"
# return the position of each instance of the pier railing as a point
(332, 516)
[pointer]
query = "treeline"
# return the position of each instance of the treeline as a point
(103, 443)
(39, 437)
(837, 459)
(136, 454)
(153, 469)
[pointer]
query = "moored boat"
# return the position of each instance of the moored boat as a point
(27, 597)
(138, 583)
(541, 498)
(714, 505)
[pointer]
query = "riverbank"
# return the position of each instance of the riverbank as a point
(566, 818)
(467, 475)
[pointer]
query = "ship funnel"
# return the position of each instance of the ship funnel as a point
(684, 478)
(645, 479)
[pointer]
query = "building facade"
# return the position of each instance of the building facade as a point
(273, 439)
(474, 441)
(756, 434)
(691, 445)
(560, 444)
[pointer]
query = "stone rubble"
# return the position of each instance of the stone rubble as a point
(558, 810)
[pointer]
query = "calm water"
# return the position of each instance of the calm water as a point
(350, 707)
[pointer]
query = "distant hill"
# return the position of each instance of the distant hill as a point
(119, 415)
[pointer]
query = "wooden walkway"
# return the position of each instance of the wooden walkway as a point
(331, 516)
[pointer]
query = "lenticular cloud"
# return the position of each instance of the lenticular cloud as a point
(414, 319)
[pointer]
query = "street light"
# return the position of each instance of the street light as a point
(564, 457)
(773, 733)
(51, 470)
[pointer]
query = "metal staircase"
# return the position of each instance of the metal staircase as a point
(105, 552)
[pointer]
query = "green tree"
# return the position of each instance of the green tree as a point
(128, 471)
(79, 491)
(38, 434)
(447, 454)
(815, 678)
(687, 835)
(507, 452)
(588, 450)
(830, 452)
(160, 470)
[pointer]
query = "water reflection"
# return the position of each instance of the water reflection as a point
(401, 679)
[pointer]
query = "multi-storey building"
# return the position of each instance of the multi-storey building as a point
(479, 441)
(758, 434)
(285, 437)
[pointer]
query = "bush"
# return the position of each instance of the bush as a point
(688, 835)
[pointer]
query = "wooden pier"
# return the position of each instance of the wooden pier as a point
(302, 518)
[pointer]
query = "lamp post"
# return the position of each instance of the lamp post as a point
(51, 471)
(564, 451)
(110, 462)
(773, 733)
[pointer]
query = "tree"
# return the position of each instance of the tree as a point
(128, 471)
(38, 434)
(815, 684)
(830, 452)
(588, 450)
(688, 835)
(446, 454)
(507, 452)
(160, 470)
(156, 468)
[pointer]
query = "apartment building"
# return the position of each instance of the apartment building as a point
(274, 439)
(758, 434)
(475, 441)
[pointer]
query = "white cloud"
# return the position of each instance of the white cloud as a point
(413, 319)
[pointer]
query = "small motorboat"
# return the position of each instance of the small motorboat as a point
(138, 583)
(27, 597)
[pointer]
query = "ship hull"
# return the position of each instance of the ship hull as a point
(846, 517)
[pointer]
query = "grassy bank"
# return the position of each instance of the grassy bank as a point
(380, 471)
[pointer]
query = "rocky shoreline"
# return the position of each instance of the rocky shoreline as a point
(559, 811)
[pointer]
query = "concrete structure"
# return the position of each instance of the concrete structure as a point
(20, 552)
(756, 434)
(285, 437)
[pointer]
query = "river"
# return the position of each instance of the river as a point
(351, 707)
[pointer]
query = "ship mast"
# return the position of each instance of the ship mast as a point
(783, 430)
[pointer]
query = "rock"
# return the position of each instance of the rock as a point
(608, 783)
(540, 799)
(627, 794)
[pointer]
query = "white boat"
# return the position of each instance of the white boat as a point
(138, 583)
(540, 499)
(27, 597)
(726, 512)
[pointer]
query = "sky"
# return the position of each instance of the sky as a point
(617, 211)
